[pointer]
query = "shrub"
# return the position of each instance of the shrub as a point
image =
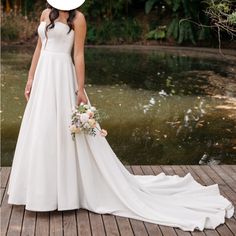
(17, 27)
(116, 31)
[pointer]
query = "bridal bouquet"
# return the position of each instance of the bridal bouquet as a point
(84, 118)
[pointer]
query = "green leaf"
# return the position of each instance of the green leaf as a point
(173, 29)
(149, 5)
(160, 34)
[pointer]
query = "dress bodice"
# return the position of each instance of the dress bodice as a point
(58, 39)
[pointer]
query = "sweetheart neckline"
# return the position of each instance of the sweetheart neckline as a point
(56, 22)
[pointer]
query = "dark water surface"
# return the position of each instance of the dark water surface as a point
(163, 108)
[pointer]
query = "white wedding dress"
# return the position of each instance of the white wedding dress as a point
(51, 171)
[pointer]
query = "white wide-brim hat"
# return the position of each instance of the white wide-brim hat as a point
(65, 5)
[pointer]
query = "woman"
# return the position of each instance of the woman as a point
(50, 171)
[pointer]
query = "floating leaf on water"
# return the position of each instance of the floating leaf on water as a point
(152, 101)
(163, 93)
(202, 111)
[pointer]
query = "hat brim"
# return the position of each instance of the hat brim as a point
(65, 5)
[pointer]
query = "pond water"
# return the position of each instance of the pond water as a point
(162, 107)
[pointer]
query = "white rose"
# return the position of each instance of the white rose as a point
(84, 117)
(86, 126)
(93, 108)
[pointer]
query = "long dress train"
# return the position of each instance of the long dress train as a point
(51, 171)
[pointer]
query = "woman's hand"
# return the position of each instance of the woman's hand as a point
(81, 97)
(28, 88)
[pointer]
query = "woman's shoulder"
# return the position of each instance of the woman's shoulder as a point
(44, 14)
(79, 16)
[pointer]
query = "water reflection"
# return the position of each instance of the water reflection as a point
(163, 108)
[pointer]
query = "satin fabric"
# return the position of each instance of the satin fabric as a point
(50, 171)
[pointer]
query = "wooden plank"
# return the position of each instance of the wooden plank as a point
(2, 194)
(224, 230)
(42, 224)
(224, 188)
(56, 223)
(233, 167)
(69, 223)
(5, 174)
(124, 226)
(15, 224)
(167, 230)
(97, 225)
(231, 223)
(187, 169)
(227, 179)
(178, 170)
(204, 178)
(110, 225)
(167, 169)
(231, 172)
(6, 210)
(83, 222)
(156, 169)
(29, 223)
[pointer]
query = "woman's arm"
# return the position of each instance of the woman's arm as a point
(80, 29)
(34, 61)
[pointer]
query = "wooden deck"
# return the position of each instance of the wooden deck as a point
(16, 221)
